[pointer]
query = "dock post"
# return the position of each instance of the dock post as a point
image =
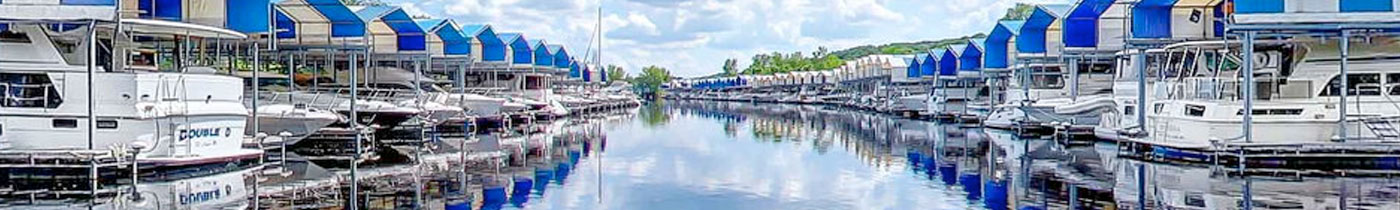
(355, 127)
(1248, 71)
(1140, 63)
(1346, 88)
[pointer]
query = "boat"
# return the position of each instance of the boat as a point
(174, 117)
(288, 121)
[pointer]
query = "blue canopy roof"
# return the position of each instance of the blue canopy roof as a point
(493, 49)
(929, 67)
(1081, 27)
(1152, 19)
(521, 50)
(543, 57)
(453, 41)
(410, 36)
(587, 74)
(971, 57)
(344, 23)
(561, 56)
(1032, 36)
(913, 70)
(997, 46)
(241, 15)
(574, 71)
(948, 63)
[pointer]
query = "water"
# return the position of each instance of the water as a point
(710, 155)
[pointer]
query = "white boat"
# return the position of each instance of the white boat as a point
(1294, 103)
(295, 122)
(177, 118)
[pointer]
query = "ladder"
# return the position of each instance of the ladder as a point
(1383, 127)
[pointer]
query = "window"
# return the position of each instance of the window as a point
(1128, 110)
(1357, 84)
(1157, 108)
(1272, 112)
(29, 91)
(1195, 110)
(107, 124)
(65, 123)
(13, 37)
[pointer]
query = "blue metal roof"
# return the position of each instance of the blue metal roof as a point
(493, 49)
(344, 23)
(998, 43)
(522, 52)
(913, 70)
(929, 67)
(1081, 26)
(574, 70)
(453, 41)
(1152, 19)
(1279, 6)
(561, 56)
(948, 62)
(240, 15)
(410, 36)
(1032, 36)
(971, 57)
(543, 57)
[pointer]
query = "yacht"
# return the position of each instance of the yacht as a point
(288, 121)
(1043, 97)
(174, 118)
(1297, 99)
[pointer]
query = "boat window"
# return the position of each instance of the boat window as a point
(1392, 81)
(28, 90)
(1357, 84)
(1157, 108)
(65, 123)
(1195, 110)
(1273, 112)
(1129, 110)
(13, 37)
(107, 124)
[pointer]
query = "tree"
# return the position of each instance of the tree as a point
(1020, 12)
(615, 73)
(652, 78)
(731, 67)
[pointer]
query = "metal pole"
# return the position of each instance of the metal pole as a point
(1140, 63)
(354, 127)
(1248, 88)
(1074, 79)
(1346, 87)
(257, 66)
(91, 90)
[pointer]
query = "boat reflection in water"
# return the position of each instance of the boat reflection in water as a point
(997, 170)
(227, 190)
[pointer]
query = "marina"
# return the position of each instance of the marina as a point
(340, 104)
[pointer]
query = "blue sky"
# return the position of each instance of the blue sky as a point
(694, 37)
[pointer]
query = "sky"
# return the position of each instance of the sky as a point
(694, 37)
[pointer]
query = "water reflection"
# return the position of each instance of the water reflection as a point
(710, 155)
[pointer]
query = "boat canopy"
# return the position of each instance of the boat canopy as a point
(1178, 19)
(587, 72)
(391, 29)
(1096, 25)
(543, 56)
(561, 56)
(57, 10)
(912, 71)
(948, 63)
(574, 70)
(171, 28)
(929, 66)
(316, 22)
(519, 48)
(998, 47)
(1301, 13)
(492, 49)
(1041, 31)
(444, 37)
(237, 15)
(971, 57)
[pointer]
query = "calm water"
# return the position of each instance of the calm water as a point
(709, 155)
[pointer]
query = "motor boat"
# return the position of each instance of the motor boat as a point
(291, 122)
(184, 117)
